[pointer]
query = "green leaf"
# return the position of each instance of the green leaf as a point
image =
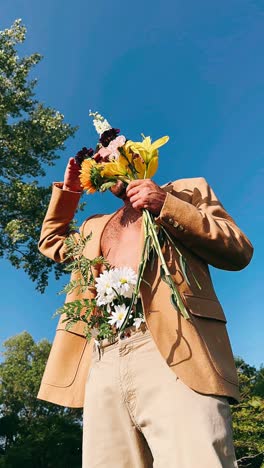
(182, 260)
(174, 302)
(164, 277)
(183, 265)
(107, 185)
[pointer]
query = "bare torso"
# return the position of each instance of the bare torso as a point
(120, 241)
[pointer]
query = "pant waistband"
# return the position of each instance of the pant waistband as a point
(126, 333)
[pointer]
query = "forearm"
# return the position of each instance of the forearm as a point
(204, 227)
(55, 228)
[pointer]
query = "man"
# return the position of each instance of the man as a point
(160, 397)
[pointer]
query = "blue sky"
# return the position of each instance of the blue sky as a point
(192, 70)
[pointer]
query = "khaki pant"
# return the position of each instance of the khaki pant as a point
(138, 414)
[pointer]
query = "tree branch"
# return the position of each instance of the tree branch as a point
(249, 457)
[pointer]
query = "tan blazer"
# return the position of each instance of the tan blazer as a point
(197, 351)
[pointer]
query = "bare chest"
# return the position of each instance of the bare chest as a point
(120, 242)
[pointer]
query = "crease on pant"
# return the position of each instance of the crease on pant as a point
(120, 382)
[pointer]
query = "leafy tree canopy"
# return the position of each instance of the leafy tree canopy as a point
(248, 416)
(31, 135)
(33, 432)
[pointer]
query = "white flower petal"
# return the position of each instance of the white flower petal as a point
(137, 322)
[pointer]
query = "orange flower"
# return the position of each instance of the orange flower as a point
(87, 175)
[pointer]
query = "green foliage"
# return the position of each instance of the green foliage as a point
(31, 135)
(248, 416)
(82, 309)
(101, 324)
(76, 262)
(33, 433)
(82, 281)
(76, 311)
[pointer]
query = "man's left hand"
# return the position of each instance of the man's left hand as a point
(144, 193)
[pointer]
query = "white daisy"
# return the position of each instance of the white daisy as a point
(137, 322)
(125, 280)
(105, 288)
(118, 315)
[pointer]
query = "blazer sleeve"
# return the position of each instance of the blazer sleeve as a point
(55, 227)
(194, 216)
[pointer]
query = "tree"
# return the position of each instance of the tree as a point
(248, 416)
(33, 432)
(30, 137)
(36, 433)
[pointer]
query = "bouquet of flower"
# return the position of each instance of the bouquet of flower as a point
(114, 288)
(118, 159)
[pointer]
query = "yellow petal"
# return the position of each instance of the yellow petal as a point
(115, 168)
(85, 175)
(140, 167)
(139, 148)
(127, 150)
(160, 142)
(152, 167)
(132, 147)
(145, 148)
(146, 143)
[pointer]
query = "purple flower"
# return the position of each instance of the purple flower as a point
(84, 153)
(108, 136)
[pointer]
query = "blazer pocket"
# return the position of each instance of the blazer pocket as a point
(210, 323)
(205, 308)
(64, 359)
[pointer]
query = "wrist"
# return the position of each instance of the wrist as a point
(162, 199)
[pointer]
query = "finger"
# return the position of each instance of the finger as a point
(68, 164)
(73, 166)
(132, 192)
(134, 199)
(137, 188)
(135, 183)
(138, 206)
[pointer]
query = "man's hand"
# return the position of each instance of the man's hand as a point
(144, 193)
(71, 177)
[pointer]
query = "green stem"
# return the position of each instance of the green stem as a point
(183, 260)
(175, 297)
(151, 240)
(155, 239)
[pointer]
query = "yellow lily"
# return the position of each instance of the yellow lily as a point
(140, 166)
(152, 168)
(145, 171)
(145, 148)
(117, 168)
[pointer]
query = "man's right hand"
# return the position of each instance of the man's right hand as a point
(71, 177)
